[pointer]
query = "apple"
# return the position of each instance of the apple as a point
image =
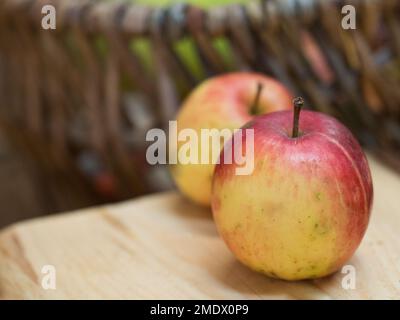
(223, 102)
(304, 209)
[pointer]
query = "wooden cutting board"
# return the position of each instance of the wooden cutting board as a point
(163, 247)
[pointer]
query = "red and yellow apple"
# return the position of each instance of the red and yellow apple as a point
(305, 208)
(222, 102)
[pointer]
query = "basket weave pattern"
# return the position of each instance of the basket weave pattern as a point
(79, 99)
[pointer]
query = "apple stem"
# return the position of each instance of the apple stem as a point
(254, 106)
(298, 104)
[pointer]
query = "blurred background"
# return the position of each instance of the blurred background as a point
(76, 102)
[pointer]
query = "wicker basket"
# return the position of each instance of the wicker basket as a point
(79, 99)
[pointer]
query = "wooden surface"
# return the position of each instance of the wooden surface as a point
(164, 247)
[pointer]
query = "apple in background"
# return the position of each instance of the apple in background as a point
(222, 102)
(305, 208)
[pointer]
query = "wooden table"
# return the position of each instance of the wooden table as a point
(162, 246)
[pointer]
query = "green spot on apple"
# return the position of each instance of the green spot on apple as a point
(320, 230)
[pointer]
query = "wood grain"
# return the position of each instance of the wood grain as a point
(163, 247)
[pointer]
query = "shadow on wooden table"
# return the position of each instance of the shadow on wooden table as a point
(238, 277)
(233, 274)
(163, 247)
(197, 218)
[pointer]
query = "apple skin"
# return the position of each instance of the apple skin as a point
(222, 102)
(304, 210)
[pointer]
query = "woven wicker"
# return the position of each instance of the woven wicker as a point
(79, 99)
